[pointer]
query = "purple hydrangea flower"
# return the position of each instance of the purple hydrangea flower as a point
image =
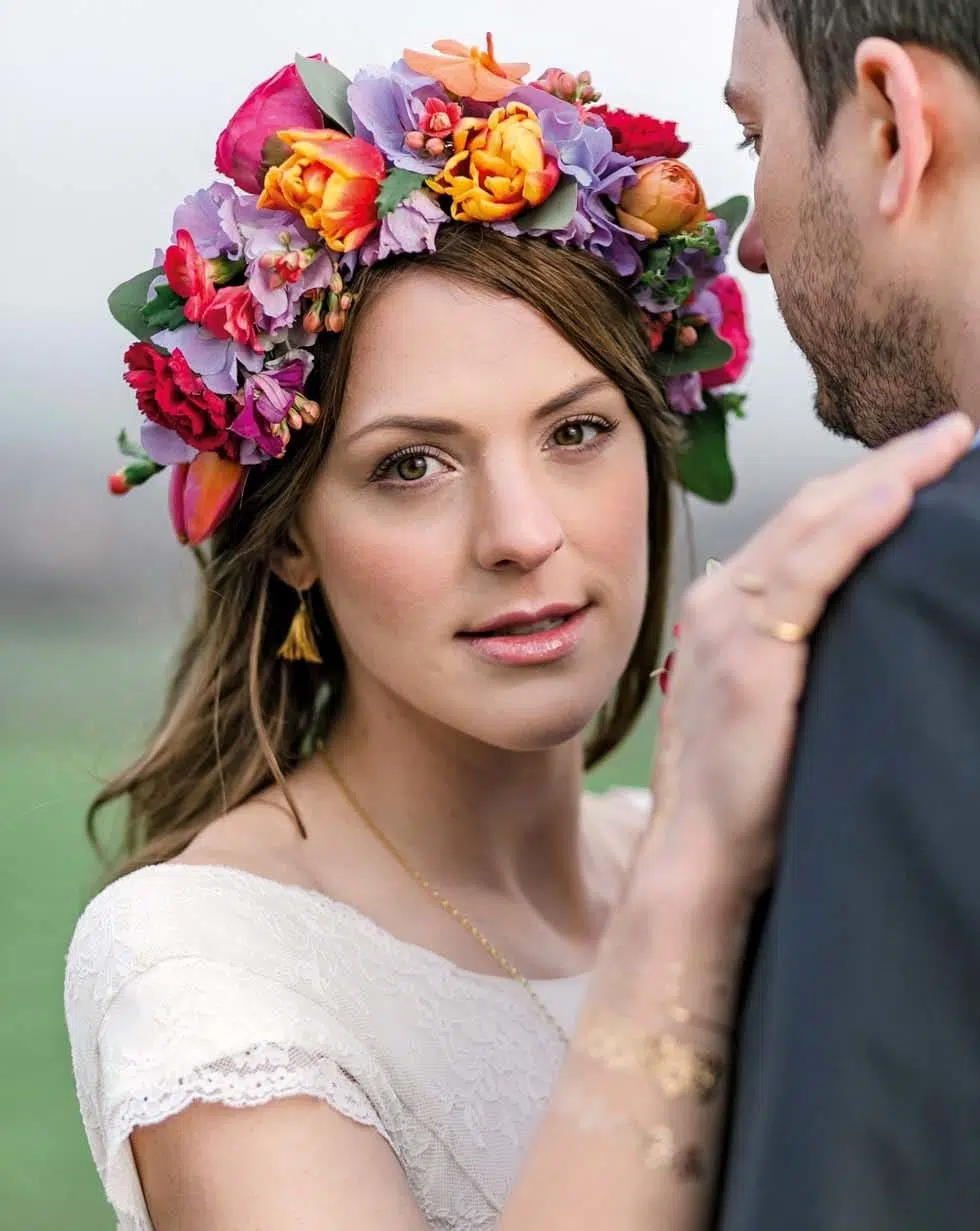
(410, 227)
(708, 305)
(684, 393)
(200, 215)
(280, 304)
(215, 360)
(387, 104)
(268, 397)
(164, 446)
(242, 217)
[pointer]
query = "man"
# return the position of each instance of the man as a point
(856, 1101)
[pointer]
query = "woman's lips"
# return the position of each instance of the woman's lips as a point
(546, 639)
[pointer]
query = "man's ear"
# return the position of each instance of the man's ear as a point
(293, 562)
(889, 95)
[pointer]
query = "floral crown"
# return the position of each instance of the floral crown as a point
(329, 175)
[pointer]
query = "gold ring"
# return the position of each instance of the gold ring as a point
(785, 631)
(788, 632)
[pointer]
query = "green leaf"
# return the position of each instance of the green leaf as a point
(127, 301)
(128, 449)
(703, 465)
(707, 353)
(395, 187)
(165, 310)
(734, 211)
(328, 87)
(554, 214)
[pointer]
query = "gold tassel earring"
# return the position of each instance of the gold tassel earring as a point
(300, 643)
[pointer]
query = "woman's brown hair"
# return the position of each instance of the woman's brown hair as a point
(238, 718)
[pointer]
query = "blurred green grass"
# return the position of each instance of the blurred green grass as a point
(73, 704)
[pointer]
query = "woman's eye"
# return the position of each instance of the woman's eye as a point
(578, 432)
(413, 468)
(410, 465)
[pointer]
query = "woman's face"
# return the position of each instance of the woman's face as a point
(479, 526)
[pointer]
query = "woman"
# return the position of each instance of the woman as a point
(377, 960)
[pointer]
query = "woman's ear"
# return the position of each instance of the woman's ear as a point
(293, 562)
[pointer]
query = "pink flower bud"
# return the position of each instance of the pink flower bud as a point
(435, 147)
(336, 284)
(295, 418)
(268, 260)
(567, 85)
(118, 486)
(585, 78)
(335, 322)
(687, 336)
(414, 141)
(346, 300)
(311, 321)
(309, 409)
(586, 94)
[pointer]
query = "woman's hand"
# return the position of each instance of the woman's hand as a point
(740, 667)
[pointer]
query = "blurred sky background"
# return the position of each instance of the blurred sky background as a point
(109, 111)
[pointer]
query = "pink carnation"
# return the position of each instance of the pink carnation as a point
(733, 330)
(231, 314)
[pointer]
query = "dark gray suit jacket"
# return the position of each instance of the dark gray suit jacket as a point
(856, 1100)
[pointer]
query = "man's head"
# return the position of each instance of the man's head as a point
(866, 118)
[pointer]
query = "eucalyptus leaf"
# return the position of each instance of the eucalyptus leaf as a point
(328, 87)
(703, 464)
(127, 301)
(554, 214)
(395, 187)
(707, 353)
(734, 211)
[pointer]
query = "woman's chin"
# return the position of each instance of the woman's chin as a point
(535, 730)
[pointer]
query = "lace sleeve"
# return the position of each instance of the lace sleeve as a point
(152, 1032)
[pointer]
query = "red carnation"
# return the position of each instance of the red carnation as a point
(641, 136)
(734, 331)
(170, 394)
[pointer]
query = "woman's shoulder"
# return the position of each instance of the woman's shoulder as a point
(183, 914)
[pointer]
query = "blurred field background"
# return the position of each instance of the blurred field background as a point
(93, 591)
(76, 698)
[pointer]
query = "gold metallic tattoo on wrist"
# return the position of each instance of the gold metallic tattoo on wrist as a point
(679, 1068)
(657, 1145)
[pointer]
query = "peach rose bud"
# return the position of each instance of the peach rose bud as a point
(666, 198)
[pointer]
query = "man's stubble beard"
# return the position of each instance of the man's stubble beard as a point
(877, 377)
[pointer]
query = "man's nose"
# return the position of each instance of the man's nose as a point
(751, 250)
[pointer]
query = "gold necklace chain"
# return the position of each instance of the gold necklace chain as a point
(505, 964)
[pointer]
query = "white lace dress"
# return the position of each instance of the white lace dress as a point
(189, 983)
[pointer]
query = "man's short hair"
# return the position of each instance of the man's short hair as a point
(825, 34)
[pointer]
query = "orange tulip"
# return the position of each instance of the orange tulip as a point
(330, 180)
(202, 493)
(468, 72)
(666, 198)
(500, 167)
